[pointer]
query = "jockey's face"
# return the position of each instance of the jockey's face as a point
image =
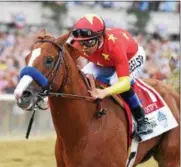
(90, 46)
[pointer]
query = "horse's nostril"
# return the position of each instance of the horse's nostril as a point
(26, 99)
(27, 96)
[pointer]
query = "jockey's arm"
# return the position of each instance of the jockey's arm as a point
(122, 70)
(121, 86)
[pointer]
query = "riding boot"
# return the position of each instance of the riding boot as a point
(143, 126)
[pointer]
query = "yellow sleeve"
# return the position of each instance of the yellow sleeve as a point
(121, 86)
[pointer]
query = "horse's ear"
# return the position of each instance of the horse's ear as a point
(48, 35)
(63, 38)
(74, 53)
(43, 31)
(42, 34)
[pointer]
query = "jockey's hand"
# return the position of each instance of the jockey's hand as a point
(99, 93)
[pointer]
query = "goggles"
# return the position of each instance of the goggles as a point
(85, 33)
(88, 43)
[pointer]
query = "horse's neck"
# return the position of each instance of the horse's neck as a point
(71, 117)
(76, 84)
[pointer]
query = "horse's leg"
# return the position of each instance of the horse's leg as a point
(60, 155)
(168, 152)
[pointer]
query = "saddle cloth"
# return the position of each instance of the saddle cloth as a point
(156, 110)
(158, 114)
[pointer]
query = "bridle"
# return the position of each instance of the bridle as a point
(47, 90)
(61, 60)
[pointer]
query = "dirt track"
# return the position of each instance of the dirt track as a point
(33, 153)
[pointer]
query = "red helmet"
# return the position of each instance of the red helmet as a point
(88, 27)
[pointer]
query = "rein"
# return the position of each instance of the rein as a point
(66, 95)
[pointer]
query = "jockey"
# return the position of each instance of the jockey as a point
(113, 57)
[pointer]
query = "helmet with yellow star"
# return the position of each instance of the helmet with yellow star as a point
(88, 27)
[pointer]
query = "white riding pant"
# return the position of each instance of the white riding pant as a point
(135, 65)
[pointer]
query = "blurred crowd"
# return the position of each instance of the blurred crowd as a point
(13, 49)
(15, 46)
(16, 40)
(163, 6)
(159, 51)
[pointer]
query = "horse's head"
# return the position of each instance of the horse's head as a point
(42, 71)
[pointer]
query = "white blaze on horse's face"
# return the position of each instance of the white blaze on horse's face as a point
(22, 85)
(26, 80)
(35, 53)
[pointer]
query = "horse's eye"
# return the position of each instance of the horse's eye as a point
(49, 62)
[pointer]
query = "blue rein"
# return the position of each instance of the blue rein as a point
(35, 74)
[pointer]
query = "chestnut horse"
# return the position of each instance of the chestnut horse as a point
(82, 140)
